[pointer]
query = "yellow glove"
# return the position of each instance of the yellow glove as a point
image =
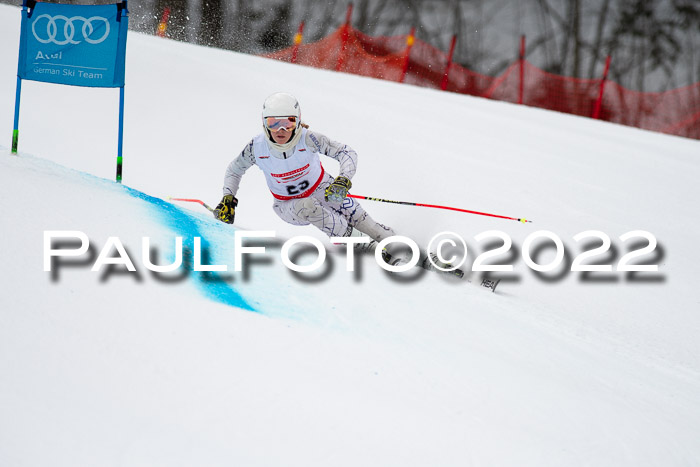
(225, 211)
(338, 190)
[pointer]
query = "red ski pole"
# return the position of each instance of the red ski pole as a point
(406, 203)
(438, 207)
(190, 200)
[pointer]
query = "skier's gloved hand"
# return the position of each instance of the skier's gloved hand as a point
(226, 210)
(338, 190)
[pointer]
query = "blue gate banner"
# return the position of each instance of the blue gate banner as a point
(79, 45)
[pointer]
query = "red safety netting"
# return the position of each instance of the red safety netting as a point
(409, 60)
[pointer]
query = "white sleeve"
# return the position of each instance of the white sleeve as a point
(236, 169)
(344, 154)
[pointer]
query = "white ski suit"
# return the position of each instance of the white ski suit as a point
(298, 182)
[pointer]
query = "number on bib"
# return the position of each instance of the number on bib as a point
(297, 189)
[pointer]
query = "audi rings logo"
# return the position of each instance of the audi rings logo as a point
(51, 33)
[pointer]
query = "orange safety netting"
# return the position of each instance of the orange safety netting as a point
(409, 60)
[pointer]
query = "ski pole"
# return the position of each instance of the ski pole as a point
(407, 203)
(190, 200)
(437, 207)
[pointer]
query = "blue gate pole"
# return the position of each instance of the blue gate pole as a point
(18, 93)
(15, 131)
(121, 134)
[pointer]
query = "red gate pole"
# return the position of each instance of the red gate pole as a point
(344, 39)
(522, 69)
(163, 25)
(409, 43)
(297, 40)
(445, 78)
(599, 101)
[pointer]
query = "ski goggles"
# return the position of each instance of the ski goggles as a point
(277, 123)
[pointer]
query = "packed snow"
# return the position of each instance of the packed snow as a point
(268, 367)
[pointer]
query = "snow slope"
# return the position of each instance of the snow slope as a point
(337, 368)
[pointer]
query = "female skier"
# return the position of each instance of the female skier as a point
(303, 193)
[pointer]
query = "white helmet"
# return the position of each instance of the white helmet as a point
(282, 104)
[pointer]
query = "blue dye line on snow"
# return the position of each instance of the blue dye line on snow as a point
(214, 287)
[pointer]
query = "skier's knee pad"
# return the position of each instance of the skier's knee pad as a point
(307, 208)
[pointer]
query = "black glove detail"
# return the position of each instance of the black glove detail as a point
(225, 211)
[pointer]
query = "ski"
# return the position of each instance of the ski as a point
(426, 264)
(430, 266)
